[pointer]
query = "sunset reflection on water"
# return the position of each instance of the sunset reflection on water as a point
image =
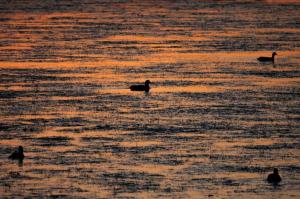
(214, 124)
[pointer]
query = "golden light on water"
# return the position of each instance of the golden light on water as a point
(214, 124)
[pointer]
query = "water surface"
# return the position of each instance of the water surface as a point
(215, 123)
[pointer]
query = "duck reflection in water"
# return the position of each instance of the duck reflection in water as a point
(145, 87)
(274, 177)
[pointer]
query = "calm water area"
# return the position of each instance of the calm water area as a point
(214, 124)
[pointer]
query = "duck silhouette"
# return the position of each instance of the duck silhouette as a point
(274, 177)
(18, 154)
(145, 87)
(267, 59)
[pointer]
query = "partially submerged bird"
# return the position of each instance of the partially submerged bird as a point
(145, 87)
(18, 154)
(267, 59)
(274, 177)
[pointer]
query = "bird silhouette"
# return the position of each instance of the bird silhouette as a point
(145, 87)
(267, 59)
(18, 154)
(274, 177)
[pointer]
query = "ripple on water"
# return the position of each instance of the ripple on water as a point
(131, 181)
(52, 141)
(214, 123)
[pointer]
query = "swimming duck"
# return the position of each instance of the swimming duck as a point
(145, 87)
(17, 154)
(274, 177)
(267, 59)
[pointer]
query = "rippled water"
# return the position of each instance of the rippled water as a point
(215, 123)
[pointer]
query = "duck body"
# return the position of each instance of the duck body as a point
(144, 88)
(274, 177)
(267, 59)
(17, 155)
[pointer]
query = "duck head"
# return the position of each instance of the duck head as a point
(20, 150)
(147, 82)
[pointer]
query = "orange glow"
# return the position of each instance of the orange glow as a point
(282, 1)
(212, 126)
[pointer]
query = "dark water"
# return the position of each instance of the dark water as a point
(215, 123)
